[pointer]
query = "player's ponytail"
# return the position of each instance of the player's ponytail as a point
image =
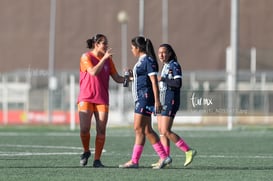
(89, 43)
(150, 49)
(145, 45)
(95, 39)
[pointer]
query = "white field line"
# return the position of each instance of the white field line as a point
(40, 146)
(35, 154)
(76, 149)
(37, 134)
(41, 153)
(12, 154)
(129, 132)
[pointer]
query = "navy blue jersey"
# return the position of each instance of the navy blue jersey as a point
(142, 85)
(170, 70)
(170, 97)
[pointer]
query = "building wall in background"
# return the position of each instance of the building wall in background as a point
(198, 30)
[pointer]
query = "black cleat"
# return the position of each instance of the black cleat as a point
(84, 158)
(97, 164)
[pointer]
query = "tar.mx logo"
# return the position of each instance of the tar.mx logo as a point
(200, 101)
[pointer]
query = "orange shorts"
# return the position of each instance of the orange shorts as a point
(87, 106)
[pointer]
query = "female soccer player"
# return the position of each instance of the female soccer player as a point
(96, 66)
(169, 86)
(146, 93)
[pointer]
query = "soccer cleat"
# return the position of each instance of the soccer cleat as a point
(129, 164)
(155, 164)
(97, 164)
(84, 158)
(163, 163)
(158, 163)
(189, 156)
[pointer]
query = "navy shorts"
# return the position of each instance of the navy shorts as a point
(170, 102)
(141, 107)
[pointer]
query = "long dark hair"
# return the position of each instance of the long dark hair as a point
(95, 39)
(169, 50)
(145, 45)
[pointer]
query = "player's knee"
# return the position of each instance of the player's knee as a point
(165, 133)
(138, 131)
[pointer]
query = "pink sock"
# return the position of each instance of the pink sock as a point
(182, 145)
(159, 149)
(167, 149)
(137, 151)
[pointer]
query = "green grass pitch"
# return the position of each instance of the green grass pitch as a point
(34, 153)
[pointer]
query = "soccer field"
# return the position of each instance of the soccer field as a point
(52, 153)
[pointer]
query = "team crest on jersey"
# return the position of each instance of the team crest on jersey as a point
(106, 68)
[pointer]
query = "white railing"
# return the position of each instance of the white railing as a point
(32, 95)
(13, 92)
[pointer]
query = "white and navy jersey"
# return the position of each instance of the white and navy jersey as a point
(170, 97)
(142, 85)
(170, 70)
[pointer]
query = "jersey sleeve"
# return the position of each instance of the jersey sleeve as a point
(113, 69)
(176, 69)
(85, 62)
(152, 67)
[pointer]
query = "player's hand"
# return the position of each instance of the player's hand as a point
(161, 79)
(130, 71)
(108, 54)
(158, 108)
